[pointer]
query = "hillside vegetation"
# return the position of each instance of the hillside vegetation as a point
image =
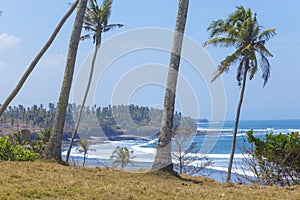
(113, 120)
(39, 180)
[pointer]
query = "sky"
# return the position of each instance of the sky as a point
(26, 25)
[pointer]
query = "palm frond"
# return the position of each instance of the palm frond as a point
(267, 34)
(240, 71)
(226, 63)
(84, 37)
(221, 41)
(254, 68)
(89, 28)
(216, 28)
(96, 19)
(242, 31)
(263, 50)
(266, 68)
(111, 27)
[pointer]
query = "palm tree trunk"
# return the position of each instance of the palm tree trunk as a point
(84, 159)
(36, 59)
(163, 158)
(53, 146)
(237, 118)
(83, 102)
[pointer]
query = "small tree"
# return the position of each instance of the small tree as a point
(185, 154)
(121, 156)
(84, 147)
(274, 160)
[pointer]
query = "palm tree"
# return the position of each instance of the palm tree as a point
(96, 23)
(53, 146)
(163, 158)
(84, 147)
(122, 156)
(241, 31)
(36, 59)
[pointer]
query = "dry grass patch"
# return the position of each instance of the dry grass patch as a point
(40, 180)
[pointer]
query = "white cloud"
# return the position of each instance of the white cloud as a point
(8, 41)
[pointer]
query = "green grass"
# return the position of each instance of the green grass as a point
(40, 180)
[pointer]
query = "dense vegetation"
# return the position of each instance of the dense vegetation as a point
(11, 151)
(275, 159)
(113, 120)
(23, 145)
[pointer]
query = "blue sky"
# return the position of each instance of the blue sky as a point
(26, 25)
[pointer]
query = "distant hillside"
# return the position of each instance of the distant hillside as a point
(110, 122)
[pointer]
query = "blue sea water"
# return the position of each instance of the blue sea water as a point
(211, 142)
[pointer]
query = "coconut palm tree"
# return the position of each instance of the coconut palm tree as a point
(95, 23)
(121, 156)
(37, 58)
(53, 146)
(242, 32)
(163, 158)
(84, 147)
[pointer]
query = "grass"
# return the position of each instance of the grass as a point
(41, 180)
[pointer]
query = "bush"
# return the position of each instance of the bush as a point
(186, 155)
(275, 160)
(15, 152)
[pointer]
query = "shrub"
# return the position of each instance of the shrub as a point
(275, 160)
(15, 152)
(186, 155)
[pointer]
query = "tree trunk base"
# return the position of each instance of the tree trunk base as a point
(168, 170)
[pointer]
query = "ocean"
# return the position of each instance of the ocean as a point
(209, 141)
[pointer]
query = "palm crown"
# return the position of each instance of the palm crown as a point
(241, 31)
(96, 20)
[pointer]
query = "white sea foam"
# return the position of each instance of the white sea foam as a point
(214, 130)
(294, 130)
(239, 156)
(234, 170)
(138, 148)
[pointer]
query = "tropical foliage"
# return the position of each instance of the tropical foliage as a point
(23, 145)
(121, 156)
(96, 20)
(11, 151)
(38, 118)
(275, 159)
(242, 32)
(84, 147)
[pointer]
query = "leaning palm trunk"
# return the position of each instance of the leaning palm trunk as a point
(163, 158)
(53, 147)
(83, 101)
(237, 118)
(36, 59)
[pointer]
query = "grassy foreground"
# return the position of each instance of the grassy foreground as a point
(39, 180)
